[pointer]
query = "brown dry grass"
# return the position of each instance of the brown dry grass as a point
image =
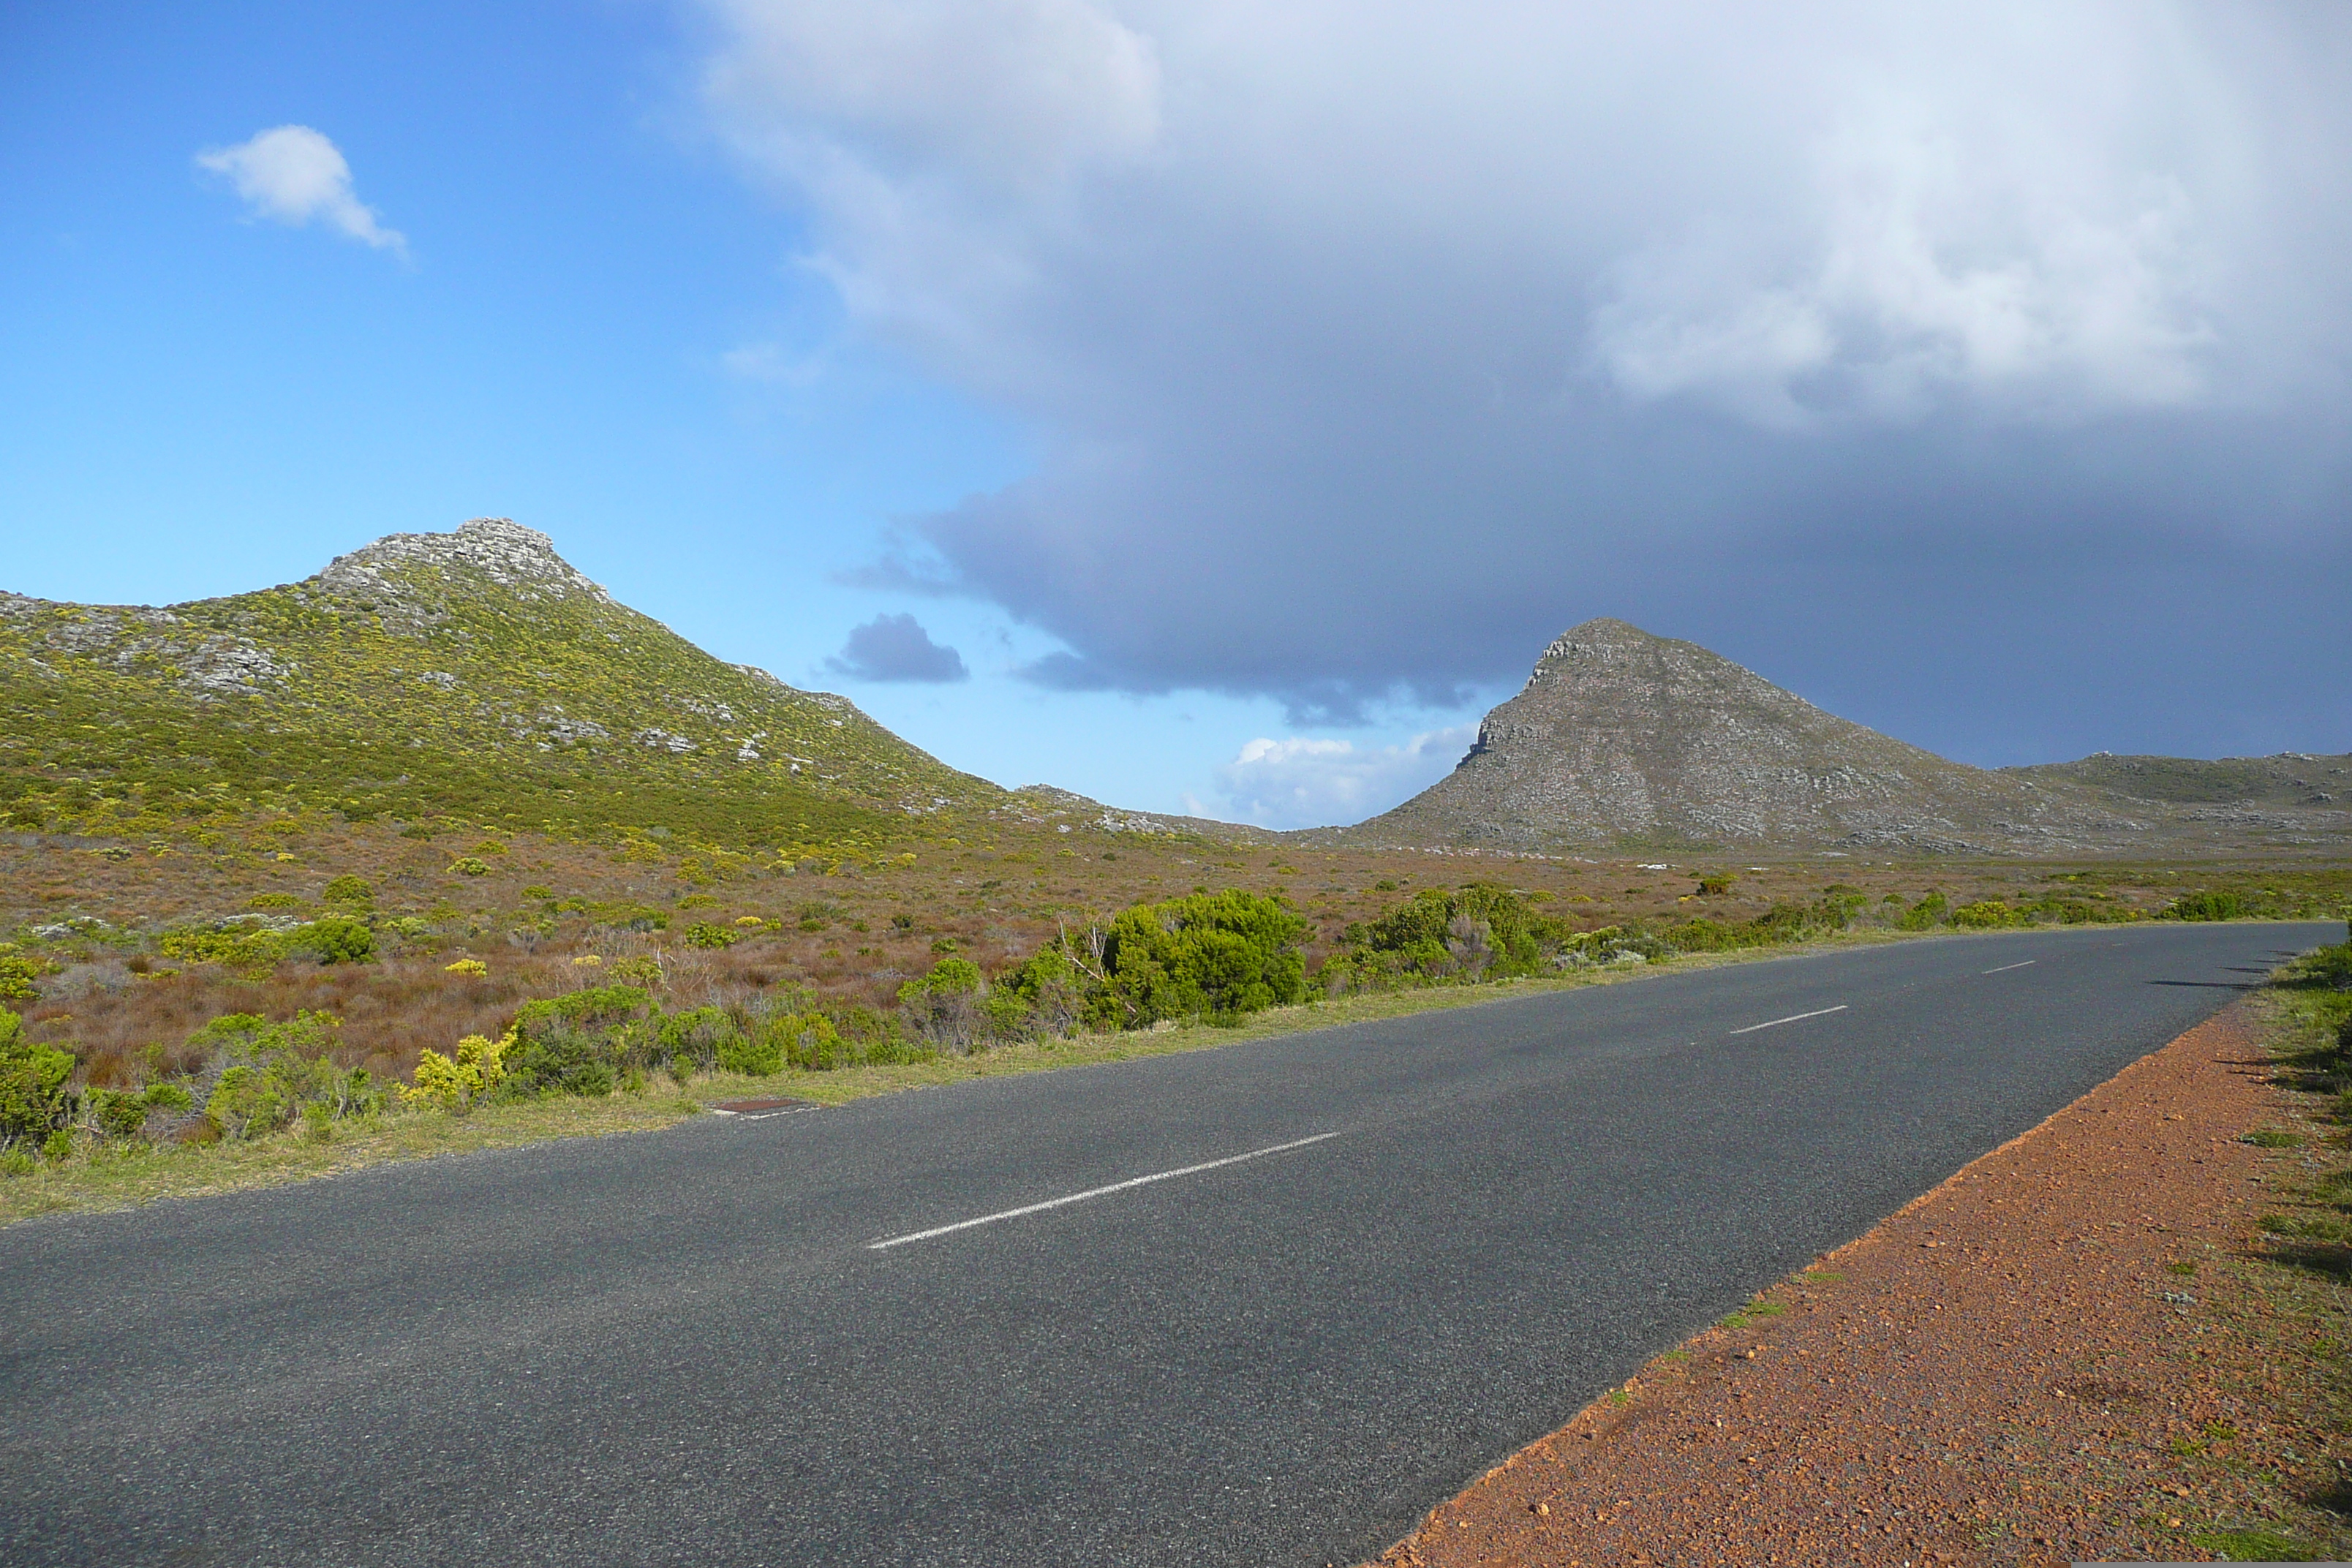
(997, 898)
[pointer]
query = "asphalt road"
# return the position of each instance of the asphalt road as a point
(683, 1347)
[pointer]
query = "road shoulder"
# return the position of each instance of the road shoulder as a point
(2066, 1352)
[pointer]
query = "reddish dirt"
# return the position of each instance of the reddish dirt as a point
(1995, 1374)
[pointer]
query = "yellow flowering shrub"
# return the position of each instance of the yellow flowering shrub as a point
(455, 1085)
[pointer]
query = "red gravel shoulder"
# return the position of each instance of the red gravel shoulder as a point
(2003, 1371)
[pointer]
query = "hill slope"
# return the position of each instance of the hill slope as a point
(472, 673)
(1621, 737)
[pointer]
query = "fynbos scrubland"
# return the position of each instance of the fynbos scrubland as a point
(445, 833)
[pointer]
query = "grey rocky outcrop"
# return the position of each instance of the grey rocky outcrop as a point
(1622, 737)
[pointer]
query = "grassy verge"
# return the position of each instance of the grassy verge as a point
(112, 1180)
(2289, 1300)
(843, 1085)
(134, 1175)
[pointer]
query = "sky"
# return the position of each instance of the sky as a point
(1217, 408)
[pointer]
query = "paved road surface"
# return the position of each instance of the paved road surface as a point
(684, 1348)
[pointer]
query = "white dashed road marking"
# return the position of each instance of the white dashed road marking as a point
(2007, 967)
(1097, 1191)
(1775, 1023)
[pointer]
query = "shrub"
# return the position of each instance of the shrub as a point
(466, 966)
(1048, 994)
(759, 1052)
(695, 1038)
(456, 1085)
(1716, 885)
(576, 1043)
(17, 974)
(265, 1074)
(1928, 911)
(945, 1006)
(273, 901)
(708, 934)
(1988, 914)
(642, 969)
(1213, 954)
(334, 938)
(2206, 906)
(469, 866)
(117, 1112)
(33, 1098)
(1477, 933)
(235, 947)
(813, 1045)
(348, 889)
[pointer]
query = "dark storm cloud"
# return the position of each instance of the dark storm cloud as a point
(896, 648)
(1983, 374)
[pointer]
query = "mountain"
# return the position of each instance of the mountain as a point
(1623, 739)
(473, 674)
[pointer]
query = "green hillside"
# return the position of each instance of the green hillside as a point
(471, 675)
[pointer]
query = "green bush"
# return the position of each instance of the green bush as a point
(273, 901)
(580, 1044)
(17, 974)
(757, 1054)
(1047, 994)
(946, 1006)
(335, 939)
(231, 946)
(33, 1098)
(1481, 932)
(348, 889)
(708, 934)
(117, 1112)
(469, 866)
(2206, 906)
(1928, 911)
(268, 1073)
(1988, 914)
(1207, 954)
(815, 1046)
(696, 1037)
(1781, 923)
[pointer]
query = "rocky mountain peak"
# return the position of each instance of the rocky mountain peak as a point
(1620, 736)
(497, 547)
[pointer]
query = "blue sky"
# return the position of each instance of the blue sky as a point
(1245, 394)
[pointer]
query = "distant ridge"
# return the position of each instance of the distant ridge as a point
(474, 673)
(1623, 739)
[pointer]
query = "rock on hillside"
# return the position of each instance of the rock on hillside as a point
(1622, 738)
(474, 673)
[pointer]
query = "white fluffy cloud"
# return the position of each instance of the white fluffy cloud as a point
(293, 175)
(1308, 783)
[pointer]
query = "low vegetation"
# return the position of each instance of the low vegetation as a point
(370, 980)
(2297, 1325)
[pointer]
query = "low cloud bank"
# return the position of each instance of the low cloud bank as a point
(1312, 783)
